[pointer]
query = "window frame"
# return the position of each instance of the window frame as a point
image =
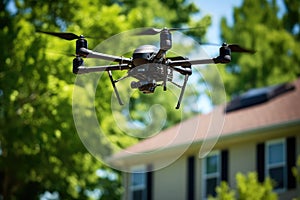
(216, 174)
(283, 163)
(142, 187)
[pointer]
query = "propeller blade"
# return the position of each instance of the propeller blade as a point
(154, 31)
(150, 31)
(209, 44)
(233, 47)
(66, 36)
(238, 48)
(185, 29)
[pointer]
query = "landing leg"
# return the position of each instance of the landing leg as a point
(182, 91)
(165, 77)
(115, 88)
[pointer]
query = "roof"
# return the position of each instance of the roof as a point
(283, 107)
(258, 95)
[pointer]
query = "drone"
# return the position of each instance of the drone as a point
(149, 65)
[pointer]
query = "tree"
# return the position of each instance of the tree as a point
(248, 187)
(291, 18)
(39, 148)
(257, 25)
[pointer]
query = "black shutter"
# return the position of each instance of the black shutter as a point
(260, 161)
(291, 161)
(191, 178)
(149, 186)
(224, 165)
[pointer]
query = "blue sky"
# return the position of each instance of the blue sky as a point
(216, 9)
(222, 8)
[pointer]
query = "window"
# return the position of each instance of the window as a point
(138, 183)
(212, 174)
(275, 159)
(276, 163)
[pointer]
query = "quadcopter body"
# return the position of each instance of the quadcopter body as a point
(148, 74)
(148, 65)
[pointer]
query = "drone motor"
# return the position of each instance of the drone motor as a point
(81, 43)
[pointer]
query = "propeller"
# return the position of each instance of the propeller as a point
(62, 35)
(154, 31)
(239, 49)
(233, 47)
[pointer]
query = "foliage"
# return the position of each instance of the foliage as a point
(39, 148)
(162, 12)
(277, 56)
(291, 19)
(248, 188)
(224, 192)
(296, 172)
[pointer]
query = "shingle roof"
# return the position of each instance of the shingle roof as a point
(278, 110)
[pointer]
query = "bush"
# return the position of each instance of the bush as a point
(248, 188)
(296, 172)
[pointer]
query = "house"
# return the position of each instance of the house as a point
(257, 131)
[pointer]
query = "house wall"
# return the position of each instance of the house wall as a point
(125, 183)
(242, 159)
(171, 181)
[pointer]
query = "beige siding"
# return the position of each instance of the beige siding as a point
(126, 182)
(242, 158)
(198, 179)
(170, 182)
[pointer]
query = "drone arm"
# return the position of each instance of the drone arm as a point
(188, 63)
(92, 54)
(84, 70)
(183, 71)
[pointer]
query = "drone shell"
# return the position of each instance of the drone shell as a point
(143, 54)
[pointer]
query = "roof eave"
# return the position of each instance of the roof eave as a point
(259, 134)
